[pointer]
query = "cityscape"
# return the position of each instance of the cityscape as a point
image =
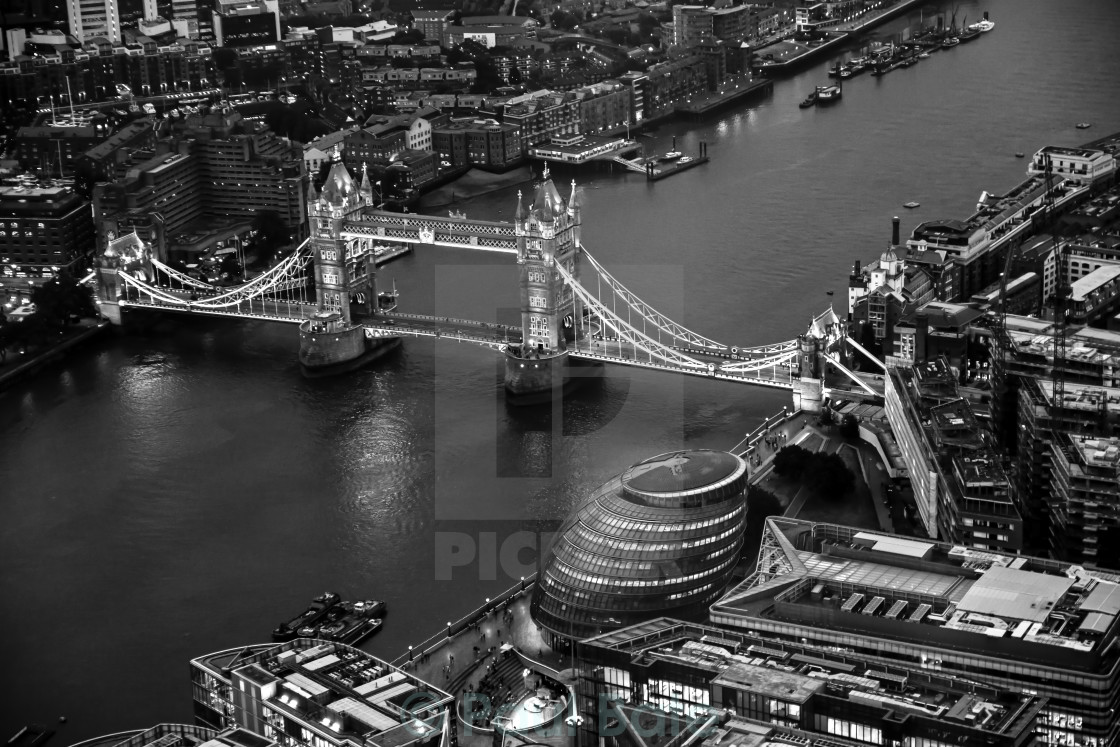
(606, 373)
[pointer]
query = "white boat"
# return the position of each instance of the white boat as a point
(984, 25)
(912, 205)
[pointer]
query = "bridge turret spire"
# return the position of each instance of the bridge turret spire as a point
(366, 190)
(312, 195)
(520, 213)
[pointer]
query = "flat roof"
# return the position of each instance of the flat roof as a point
(775, 683)
(1015, 594)
(879, 575)
(896, 545)
(1105, 597)
(681, 470)
(1083, 286)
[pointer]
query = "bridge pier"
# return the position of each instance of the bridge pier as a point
(328, 345)
(111, 312)
(536, 379)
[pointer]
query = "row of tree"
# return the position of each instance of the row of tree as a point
(824, 474)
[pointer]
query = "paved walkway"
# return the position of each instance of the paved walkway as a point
(474, 646)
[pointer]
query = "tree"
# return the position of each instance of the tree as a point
(829, 476)
(62, 299)
(408, 36)
(563, 20)
(762, 503)
(791, 461)
(849, 427)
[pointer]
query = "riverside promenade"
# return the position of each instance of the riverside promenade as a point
(499, 636)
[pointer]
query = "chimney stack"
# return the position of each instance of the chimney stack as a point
(894, 231)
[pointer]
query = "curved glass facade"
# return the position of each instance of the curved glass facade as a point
(662, 538)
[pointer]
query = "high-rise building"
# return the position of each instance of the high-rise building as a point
(961, 490)
(90, 18)
(1065, 448)
(947, 612)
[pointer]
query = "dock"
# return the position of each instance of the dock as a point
(730, 94)
(786, 55)
(657, 173)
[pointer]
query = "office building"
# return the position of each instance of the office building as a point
(954, 614)
(661, 538)
(90, 18)
(1064, 442)
(245, 23)
(434, 24)
(180, 735)
(541, 115)
(484, 143)
(961, 490)
(313, 693)
(43, 231)
(735, 687)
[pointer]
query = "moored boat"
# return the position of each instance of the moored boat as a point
(829, 94)
(350, 622)
(318, 610)
(810, 100)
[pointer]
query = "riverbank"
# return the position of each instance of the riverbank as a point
(474, 184)
(17, 367)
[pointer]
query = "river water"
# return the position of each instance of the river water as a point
(178, 492)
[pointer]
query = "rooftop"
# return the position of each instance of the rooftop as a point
(331, 686)
(682, 471)
(790, 672)
(1084, 286)
(988, 603)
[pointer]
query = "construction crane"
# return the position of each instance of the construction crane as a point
(1059, 302)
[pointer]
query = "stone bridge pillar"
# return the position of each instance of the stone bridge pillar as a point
(808, 390)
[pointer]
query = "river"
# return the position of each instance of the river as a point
(170, 494)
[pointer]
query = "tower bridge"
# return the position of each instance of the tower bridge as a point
(575, 315)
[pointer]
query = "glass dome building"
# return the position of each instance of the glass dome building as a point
(662, 538)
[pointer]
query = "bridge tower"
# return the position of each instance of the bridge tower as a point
(331, 341)
(129, 253)
(548, 233)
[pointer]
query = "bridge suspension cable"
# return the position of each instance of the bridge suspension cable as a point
(626, 332)
(173, 274)
(650, 314)
(289, 275)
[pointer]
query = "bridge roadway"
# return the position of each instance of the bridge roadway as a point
(620, 352)
(486, 334)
